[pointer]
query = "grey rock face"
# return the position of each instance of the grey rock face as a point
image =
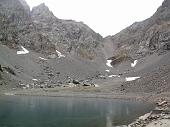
(14, 14)
(42, 13)
(41, 31)
(17, 11)
(68, 36)
(148, 36)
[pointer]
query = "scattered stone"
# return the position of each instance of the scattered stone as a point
(86, 83)
(1, 68)
(28, 86)
(122, 126)
(52, 56)
(156, 116)
(58, 73)
(96, 85)
(50, 86)
(144, 117)
(50, 74)
(101, 77)
(69, 85)
(41, 58)
(76, 82)
(161, 103)
(9, 70)
(24, 87)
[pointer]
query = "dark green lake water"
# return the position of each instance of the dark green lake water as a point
(68, 112)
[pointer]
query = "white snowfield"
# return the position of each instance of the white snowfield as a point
(59, 54)
(110, 76)
(35, 79)
(107, 70)
(24, 51)
(108, 63)
(42, 58)
(131, 78)
(134, 63)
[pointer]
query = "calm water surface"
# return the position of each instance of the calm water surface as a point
(68, 112)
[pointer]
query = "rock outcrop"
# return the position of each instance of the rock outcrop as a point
(14, 14)
(67, 36)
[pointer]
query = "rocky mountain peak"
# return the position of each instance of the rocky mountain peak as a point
(25, 5)
(166, 3)
(163, 12)
(42, 13)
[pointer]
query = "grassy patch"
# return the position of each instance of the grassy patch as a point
(119, 57)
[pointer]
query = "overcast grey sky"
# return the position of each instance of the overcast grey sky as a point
(106, 17)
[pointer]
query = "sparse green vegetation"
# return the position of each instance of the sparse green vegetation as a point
(86, 54)
(120, 56)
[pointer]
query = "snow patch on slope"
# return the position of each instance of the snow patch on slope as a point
(108, 63)
(131, 78)
(134, 63)
(34, 79)
(59, 54)
(42, 58)
(24, 51)
(110, 76)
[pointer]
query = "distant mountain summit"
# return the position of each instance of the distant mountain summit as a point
(42, 13)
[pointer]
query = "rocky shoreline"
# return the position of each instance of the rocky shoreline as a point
(159, 117)
(51, 92)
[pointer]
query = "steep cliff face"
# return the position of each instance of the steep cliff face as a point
(16, 11)
(40, 31)
(14, 14)
(68, 36)
(149, 36)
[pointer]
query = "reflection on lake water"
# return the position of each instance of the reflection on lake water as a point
(68, 112)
